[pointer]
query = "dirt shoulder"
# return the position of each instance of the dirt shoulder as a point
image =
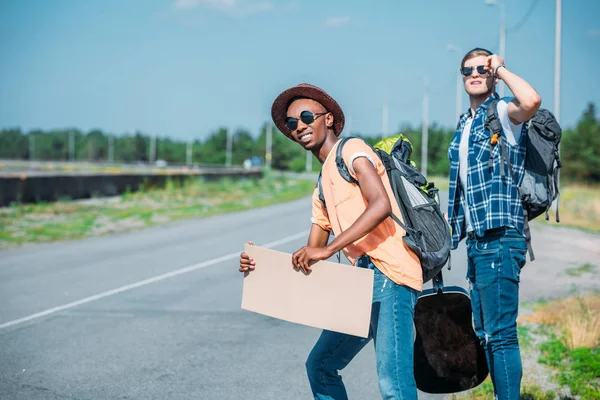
(567, 262)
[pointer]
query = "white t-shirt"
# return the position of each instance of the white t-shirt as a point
(513, 135)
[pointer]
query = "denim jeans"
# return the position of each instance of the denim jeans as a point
(494, 266)
(392, 331)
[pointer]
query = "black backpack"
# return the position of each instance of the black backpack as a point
(427, 231)
(542, 162)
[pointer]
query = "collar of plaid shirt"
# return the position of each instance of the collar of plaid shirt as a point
(493, 200)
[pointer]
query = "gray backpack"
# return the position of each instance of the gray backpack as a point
(542, 162)
(427, 231)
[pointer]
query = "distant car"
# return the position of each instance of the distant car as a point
(256, 161)
(252, 162)
(161, 163)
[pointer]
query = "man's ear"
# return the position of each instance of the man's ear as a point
(329, 120)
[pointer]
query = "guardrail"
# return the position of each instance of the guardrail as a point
(34, 187)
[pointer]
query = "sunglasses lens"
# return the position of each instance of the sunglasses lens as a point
(291, 123)
(467, 71)
(307, 117)
(481, 70)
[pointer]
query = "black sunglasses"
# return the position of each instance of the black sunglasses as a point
(467, 71)
(306, 117)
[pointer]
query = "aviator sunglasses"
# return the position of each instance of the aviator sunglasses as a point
(467, 71)
(306, 117)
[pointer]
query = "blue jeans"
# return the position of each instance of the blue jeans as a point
(494, 266)
(392, 330)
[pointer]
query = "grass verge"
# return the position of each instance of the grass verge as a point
(565, 337)
(47, 222)
(579, 207)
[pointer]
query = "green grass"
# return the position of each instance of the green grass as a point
(578, 368)
(48, 222)
(582, 269)
(579, 207)
(565, 335)
(485, 391)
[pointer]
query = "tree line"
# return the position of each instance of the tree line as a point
(580, 147)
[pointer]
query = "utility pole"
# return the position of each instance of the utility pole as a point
(228, 148)
(459, 83)
(502, 44)
(268, 146)
(425, 131)
(31, 147)
(384, 121)
(152, 155)
(557, 58)
(111, 149)
(348, 127)
(71, 145)
(188, 154)
(500, 4)
(309, 156)
(459, 94)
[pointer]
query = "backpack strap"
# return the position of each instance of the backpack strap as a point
(438, 283)
(341, 164)
(493, 125)
(345, 173)
(320, 190)
(556, 172)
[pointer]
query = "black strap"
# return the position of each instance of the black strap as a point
(504, 155)
(493, 125)
(438, 283)
(556, 172)
(341, 164)
(320, 191)
(528, 235)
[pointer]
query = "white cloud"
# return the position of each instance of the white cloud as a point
(593, 32)
(233, 8)
(186, 4)
(336, 22)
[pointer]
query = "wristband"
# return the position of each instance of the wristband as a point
(497, 68)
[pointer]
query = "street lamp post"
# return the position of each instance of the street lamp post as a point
(557, 54)
(268, 145)
(425, 130)
(384, 121)
(459, 83)
(502, 35)
(228, 147)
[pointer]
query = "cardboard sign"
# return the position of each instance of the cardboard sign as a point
(333, 296)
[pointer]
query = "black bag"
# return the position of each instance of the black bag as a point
(448, 356)
(427, 231)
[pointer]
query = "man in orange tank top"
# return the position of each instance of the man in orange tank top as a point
(359, 216)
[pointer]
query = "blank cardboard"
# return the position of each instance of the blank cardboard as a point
(333, 296)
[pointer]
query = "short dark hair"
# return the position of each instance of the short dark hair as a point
(476, 52)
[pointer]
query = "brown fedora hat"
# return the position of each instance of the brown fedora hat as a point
(282, 102)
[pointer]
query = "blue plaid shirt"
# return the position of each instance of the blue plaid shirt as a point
(493, 200)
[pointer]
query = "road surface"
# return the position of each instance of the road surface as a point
(156, 314)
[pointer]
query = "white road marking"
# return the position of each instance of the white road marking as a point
(148, 281)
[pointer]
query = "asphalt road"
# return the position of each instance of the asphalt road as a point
(156, 314)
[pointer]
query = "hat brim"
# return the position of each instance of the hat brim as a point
(282, 102)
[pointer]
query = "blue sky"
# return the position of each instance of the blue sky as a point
(183, 68)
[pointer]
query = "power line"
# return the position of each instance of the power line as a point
(523, 20)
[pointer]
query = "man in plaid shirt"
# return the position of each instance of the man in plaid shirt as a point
(484, 206)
